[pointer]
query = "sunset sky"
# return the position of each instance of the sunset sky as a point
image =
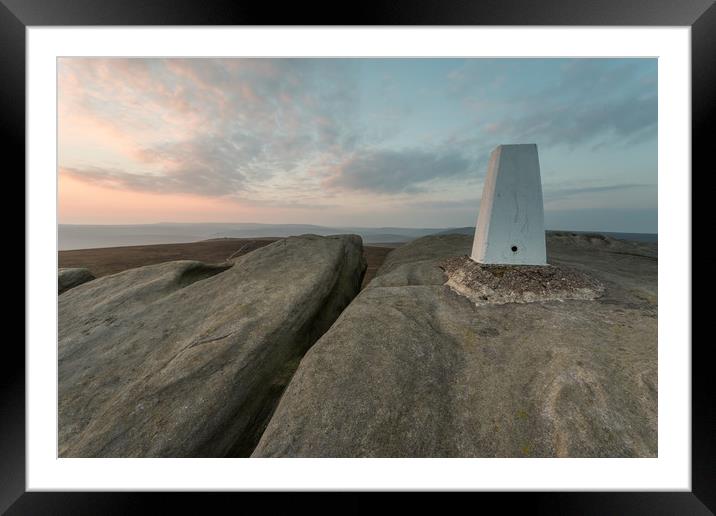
(353, 142)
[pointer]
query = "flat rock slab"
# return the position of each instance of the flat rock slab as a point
(68, 278)
(498, 284)
(185, 359)
(414, 369)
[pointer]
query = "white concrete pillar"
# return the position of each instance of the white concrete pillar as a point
(510, 225)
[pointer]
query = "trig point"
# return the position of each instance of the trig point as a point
(510, 225)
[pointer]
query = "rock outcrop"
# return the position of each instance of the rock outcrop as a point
(72, 277)
(184, 359)
(413, 368)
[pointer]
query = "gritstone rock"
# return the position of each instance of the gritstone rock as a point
(184, 359)
(72, 277)
(413, 368)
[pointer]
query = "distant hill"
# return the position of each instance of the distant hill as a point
(74, 236)
(636, 237)
(458, 231)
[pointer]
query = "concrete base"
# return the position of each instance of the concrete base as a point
(510, 225)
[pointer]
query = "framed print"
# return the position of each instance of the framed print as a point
(420, 252)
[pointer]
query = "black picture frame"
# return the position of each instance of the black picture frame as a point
(17, 15)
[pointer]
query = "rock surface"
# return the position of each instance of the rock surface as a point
(68, 278)
(184, 359)
(413, 369)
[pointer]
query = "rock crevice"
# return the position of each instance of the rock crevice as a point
(413, 369)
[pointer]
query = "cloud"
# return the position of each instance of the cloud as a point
(457, 204)
(214, 127)
(560, 101)
(563, 193)
(198, 180)
(203, 166)
(626, 121)
(390, 171)
(611, 219)
(301, 132)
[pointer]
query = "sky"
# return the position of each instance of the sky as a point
(352, 142)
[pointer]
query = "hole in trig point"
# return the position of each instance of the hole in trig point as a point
(514, 248)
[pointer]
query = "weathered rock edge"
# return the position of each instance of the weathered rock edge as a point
(71, 277)
(499, 284)
(183, 359)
